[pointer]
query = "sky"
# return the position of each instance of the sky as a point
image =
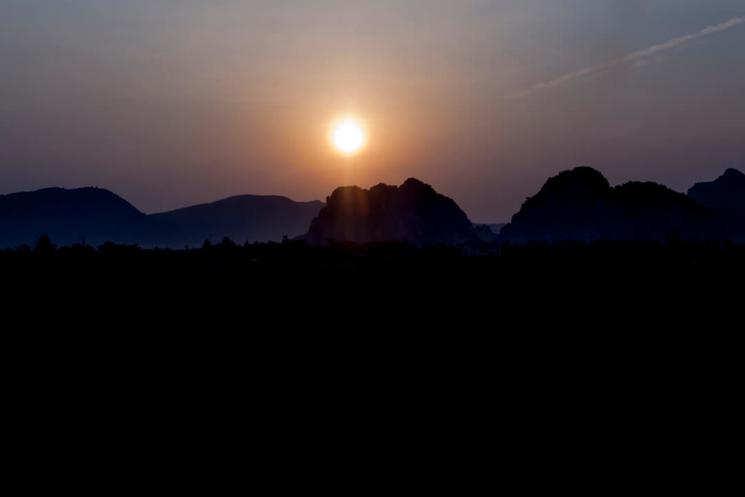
(174, 102)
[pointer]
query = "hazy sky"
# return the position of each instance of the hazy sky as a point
(173, 102)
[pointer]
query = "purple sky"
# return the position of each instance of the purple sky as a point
(174, 102)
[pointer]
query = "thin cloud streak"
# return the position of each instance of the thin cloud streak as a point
(633, 57)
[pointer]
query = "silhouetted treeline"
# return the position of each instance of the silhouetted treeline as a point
(341, 254)
(468, 272)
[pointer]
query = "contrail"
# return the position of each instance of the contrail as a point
(629, 58)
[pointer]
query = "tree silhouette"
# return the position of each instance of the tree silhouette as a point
(44, 246)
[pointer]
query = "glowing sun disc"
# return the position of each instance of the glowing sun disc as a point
(348, 136)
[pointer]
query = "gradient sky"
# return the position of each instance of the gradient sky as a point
(174, 102)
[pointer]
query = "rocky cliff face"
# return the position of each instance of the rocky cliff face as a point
(414, 212)
(581, 205)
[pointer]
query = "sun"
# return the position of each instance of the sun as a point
(348, 136)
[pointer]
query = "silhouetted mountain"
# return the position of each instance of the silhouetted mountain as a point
(96, 216)
(92, 215)
(726, 194)
(414, 212)
(648, 211)
(244, 218)
(581, 205)
(571, 205)
(726, 197)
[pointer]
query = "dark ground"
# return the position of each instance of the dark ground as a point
(346, 287)
(551, 366)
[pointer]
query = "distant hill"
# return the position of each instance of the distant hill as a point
(95, 216)
(92, 215)
(581, 205)
(726, 197)
(414, 212)
(243, 218)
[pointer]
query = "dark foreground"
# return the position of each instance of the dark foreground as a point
(572, 306)
(291, 283)
(556, 361)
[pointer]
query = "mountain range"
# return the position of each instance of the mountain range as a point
(581, 205)
(95, 216)
(578, 204)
